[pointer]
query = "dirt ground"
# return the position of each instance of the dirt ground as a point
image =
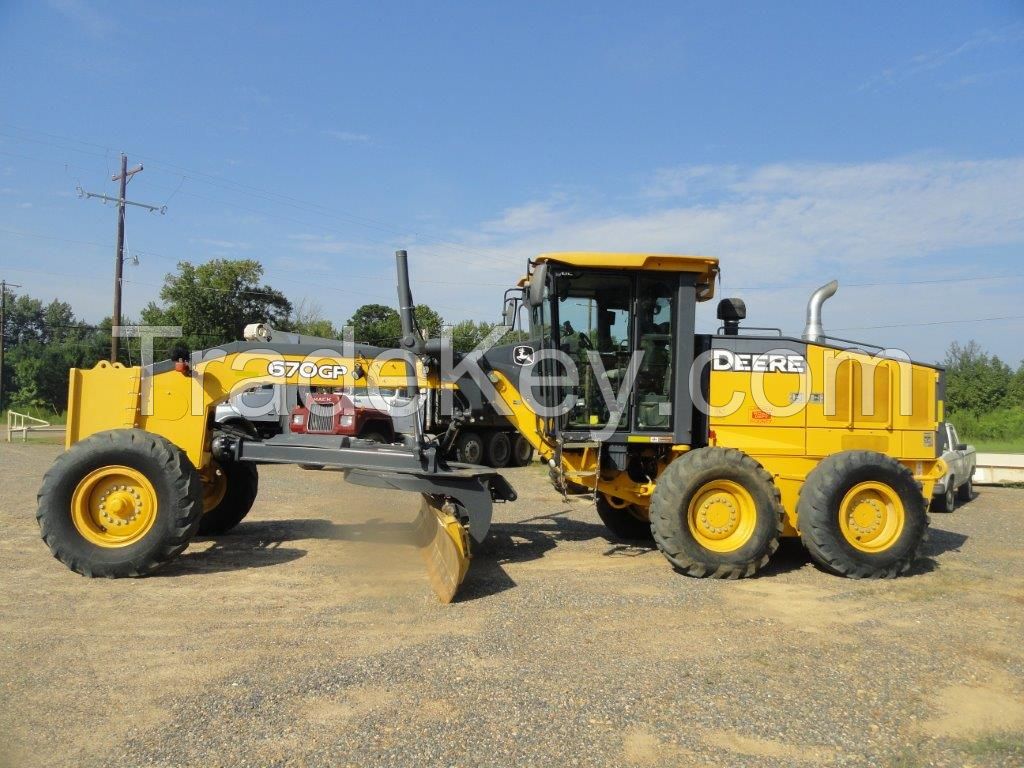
(309, 637)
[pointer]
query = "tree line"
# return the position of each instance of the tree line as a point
(212, 302)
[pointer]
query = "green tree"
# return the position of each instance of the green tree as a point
(308, 319)
(428, 321)
(974, 379)
(376, 324)
(466, 334)
(380, 325)
(213, 302)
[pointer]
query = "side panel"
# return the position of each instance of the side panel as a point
(842, 401)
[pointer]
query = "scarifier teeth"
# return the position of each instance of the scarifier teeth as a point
(444, 544)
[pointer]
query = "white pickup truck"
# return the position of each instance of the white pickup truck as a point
(961, 459)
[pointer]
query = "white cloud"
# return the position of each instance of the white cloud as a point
(932, 60)
(791, 226)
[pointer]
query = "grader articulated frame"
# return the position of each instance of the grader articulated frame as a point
(827, 443)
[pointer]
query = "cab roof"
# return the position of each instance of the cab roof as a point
(705, 267)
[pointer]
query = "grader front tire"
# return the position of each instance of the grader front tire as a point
(623, 519)
(229, 497)
(716, 513)
(119, 503)
(861, 514)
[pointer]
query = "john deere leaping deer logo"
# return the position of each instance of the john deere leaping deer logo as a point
(523, 355)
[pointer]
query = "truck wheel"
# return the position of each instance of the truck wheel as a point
(626, 521)
(861, 514)
(469, 448)
(499, 450)
(119, 503)
(374, 437)
(966, 491)
(228, 498)
(522, 452)
(947, 501)
(716, 512)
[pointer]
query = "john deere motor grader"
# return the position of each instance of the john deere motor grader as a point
(715, 445)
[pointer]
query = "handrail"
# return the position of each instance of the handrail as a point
(16, 422)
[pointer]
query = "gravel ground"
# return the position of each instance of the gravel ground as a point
(309, 638)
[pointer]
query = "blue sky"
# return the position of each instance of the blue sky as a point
(879, 143)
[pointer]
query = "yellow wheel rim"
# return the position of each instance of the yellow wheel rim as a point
(639, 513)
(114, 506)
(215, 485)
(871, 516)
(722, 516)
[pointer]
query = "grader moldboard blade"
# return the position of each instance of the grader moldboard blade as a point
(444, 544)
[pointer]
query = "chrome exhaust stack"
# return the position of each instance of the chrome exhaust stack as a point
(813, 331)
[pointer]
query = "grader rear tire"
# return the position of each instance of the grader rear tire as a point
(230, 503)
(861, 514)
(716, 513)
(119, 503)
(624, 521)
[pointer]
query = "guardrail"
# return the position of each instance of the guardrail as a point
(23, 423)
(999, 469)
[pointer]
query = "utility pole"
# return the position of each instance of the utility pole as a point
(3, 316)
(124, 176)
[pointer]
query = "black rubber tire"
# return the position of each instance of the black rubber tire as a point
(669, 511)
(179, 495)
(947, 501)
(469, 448)
(374, 437)
(243, 485)
(622, 522)
(818, 515)
(966, 491)
(499, 450)
(522, 451)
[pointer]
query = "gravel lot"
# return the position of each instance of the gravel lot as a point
(309, 637)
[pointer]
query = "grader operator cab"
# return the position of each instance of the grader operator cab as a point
(715, 444)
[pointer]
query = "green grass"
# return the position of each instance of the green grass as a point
(996, 745)
(40, 413)
(1011, 445)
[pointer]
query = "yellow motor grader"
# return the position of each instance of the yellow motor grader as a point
(714, 445)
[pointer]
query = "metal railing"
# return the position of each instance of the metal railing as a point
(23, 423)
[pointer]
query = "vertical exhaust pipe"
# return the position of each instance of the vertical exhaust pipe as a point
(814, 331)
(411, 340)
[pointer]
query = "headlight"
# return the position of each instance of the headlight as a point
(299, 419)
(346, 421)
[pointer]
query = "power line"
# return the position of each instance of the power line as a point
(933, 322)
(260, 193)
(123, 202)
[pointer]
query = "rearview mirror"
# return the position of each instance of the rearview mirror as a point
(508, 315)
(537, 284)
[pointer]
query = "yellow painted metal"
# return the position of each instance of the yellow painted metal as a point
(215, 485)
(635, 510)
(871, 516)
(114, 506)
(786, 421)
(722, 515)
(104, 397)
(444, 544)
(705, 267)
